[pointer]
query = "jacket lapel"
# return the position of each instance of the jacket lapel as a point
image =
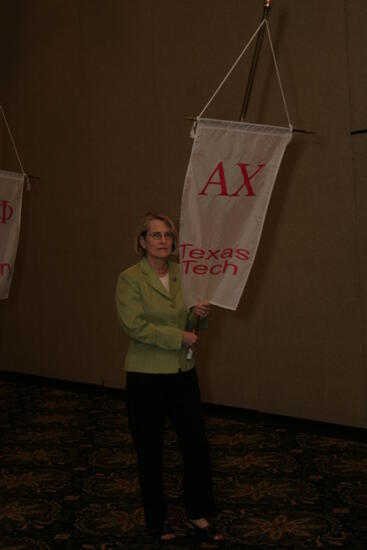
(153, 279)
(174, 279)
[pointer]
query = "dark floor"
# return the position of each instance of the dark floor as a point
(68, 475)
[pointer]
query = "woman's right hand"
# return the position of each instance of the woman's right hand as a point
(189, 338)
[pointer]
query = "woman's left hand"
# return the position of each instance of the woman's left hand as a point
(202, 310)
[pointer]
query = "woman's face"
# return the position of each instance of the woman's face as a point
(158, 241)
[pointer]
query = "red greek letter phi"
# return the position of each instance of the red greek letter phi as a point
(6, 211)
(2, 270)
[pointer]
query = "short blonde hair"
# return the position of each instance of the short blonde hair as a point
(143, 228)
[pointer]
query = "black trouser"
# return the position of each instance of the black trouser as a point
(151, 398)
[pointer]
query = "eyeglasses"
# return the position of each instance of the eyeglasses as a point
(157, 235)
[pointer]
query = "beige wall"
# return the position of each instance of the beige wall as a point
(97, 94)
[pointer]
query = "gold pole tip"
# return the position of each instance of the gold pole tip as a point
(267, 4)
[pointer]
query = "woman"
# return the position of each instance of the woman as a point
(161, 379)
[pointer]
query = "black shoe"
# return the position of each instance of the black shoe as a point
(165, 533)
(209, 532)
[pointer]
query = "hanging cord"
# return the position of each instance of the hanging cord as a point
(278, 75)
(15, 149)
(232, 68)
(263, 22)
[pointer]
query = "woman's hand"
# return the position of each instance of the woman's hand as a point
(202, 310)
(189, 338)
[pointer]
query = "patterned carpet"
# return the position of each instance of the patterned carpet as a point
(68, 476)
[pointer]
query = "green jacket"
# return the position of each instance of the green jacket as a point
(154, 320)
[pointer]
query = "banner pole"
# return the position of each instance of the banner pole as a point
(255, 59)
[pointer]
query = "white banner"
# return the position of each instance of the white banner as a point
(11, 193)
(228, 184)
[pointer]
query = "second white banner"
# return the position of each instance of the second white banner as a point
(227, 189)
